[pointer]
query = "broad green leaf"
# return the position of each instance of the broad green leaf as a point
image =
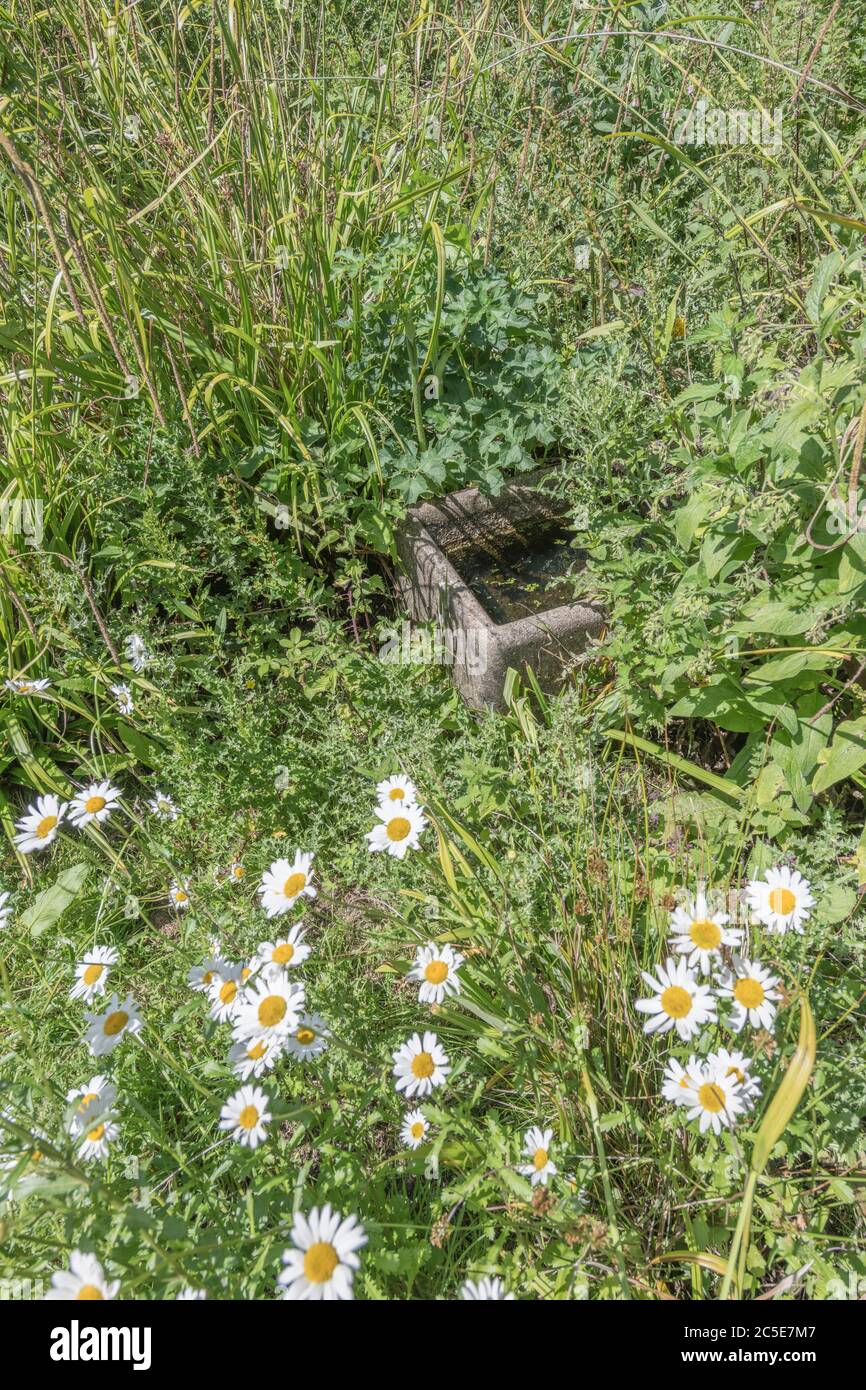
(846, 755)
(49, 905)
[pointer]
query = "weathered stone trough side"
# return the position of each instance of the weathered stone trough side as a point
(435, 592)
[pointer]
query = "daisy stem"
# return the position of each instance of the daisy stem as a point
(605, 1179)
(740, 1239)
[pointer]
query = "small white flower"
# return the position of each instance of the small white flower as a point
(283, 883)
(436, 968)
(309, 1038)
(419, 1065)
(400, 830)
(273, 957)
(322, 1260)
(5, 910)
(397, 789)
(94, 803)
(163, 807)
(91, 1102)
(782, 900)
(83, 1280)
(201, 977)
(414, 1130)
(679, 1080)
(486, 1288)
(178, 896)
(268, 1008)
(104, 1031)
(735, 1065)
(91, 973)
(713, 1100)
(536, 1146)
(237, 872)
(95, 1141)
(122, 697)
(39, 826)
(752, 991)
(699, 934)
(678, 1001)
(188, 1295)
(137, 654)
(255, 1057)
(246, 1116)
(21, 686)
(224, 992)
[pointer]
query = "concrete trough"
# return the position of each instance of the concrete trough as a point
(479, 649)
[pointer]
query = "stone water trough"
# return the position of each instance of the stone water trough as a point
(489, 572)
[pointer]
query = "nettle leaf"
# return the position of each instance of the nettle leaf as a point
(49, 905)
(845, 756)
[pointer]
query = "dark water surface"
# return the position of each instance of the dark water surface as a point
(517, 577)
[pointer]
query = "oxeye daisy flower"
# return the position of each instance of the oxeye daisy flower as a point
(21, 686)
(400, 830)
(246, 1116)
(104, 1031)
(90, 1103)
(714, 1100)
(736, 1066)
(91, 973)
(397, 789)
(536, 1146)
(699, 934)
(272, 957)
(122, 698)
(486, 1288)
(162, 806)
(419, 1065)
(178, 896)
(679, 1080)
(137, 654)
(94, 803)
(678, 1001)
(268, 1008)
(283, 883)
(782, 900)
(436, 968)
(237, 872)
(414, 1130)
(323, 1257)
(84, 1280)
(95, 1142)
(309, 1038)
(201, 977)
(39, 826)
(224, 992)
(753, 993)
(255, 1056)
(5, 910)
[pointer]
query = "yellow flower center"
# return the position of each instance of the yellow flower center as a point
(396, 794)
(256, 1052)
(423, 1065)
(676, 1002)
(417, 1130)
(249, 1117)
(238, 871)
(89, 1292)
(711, 1097)
(180, 896)
(272, 1010)
(246, 973)
(735, 1071)
(115, 1023)
(45, 826)
(436, 972)
(281, 955)
(705, 934)
(96, 1134)
(320, 1261)
(92, 974)
(94, 804)
(228, 991)
(293, 885)
(749, 993)
(398, 828)
(782, 900)
(539, 1159)
(207, 977)
(305, 1036)
(87, 1100)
